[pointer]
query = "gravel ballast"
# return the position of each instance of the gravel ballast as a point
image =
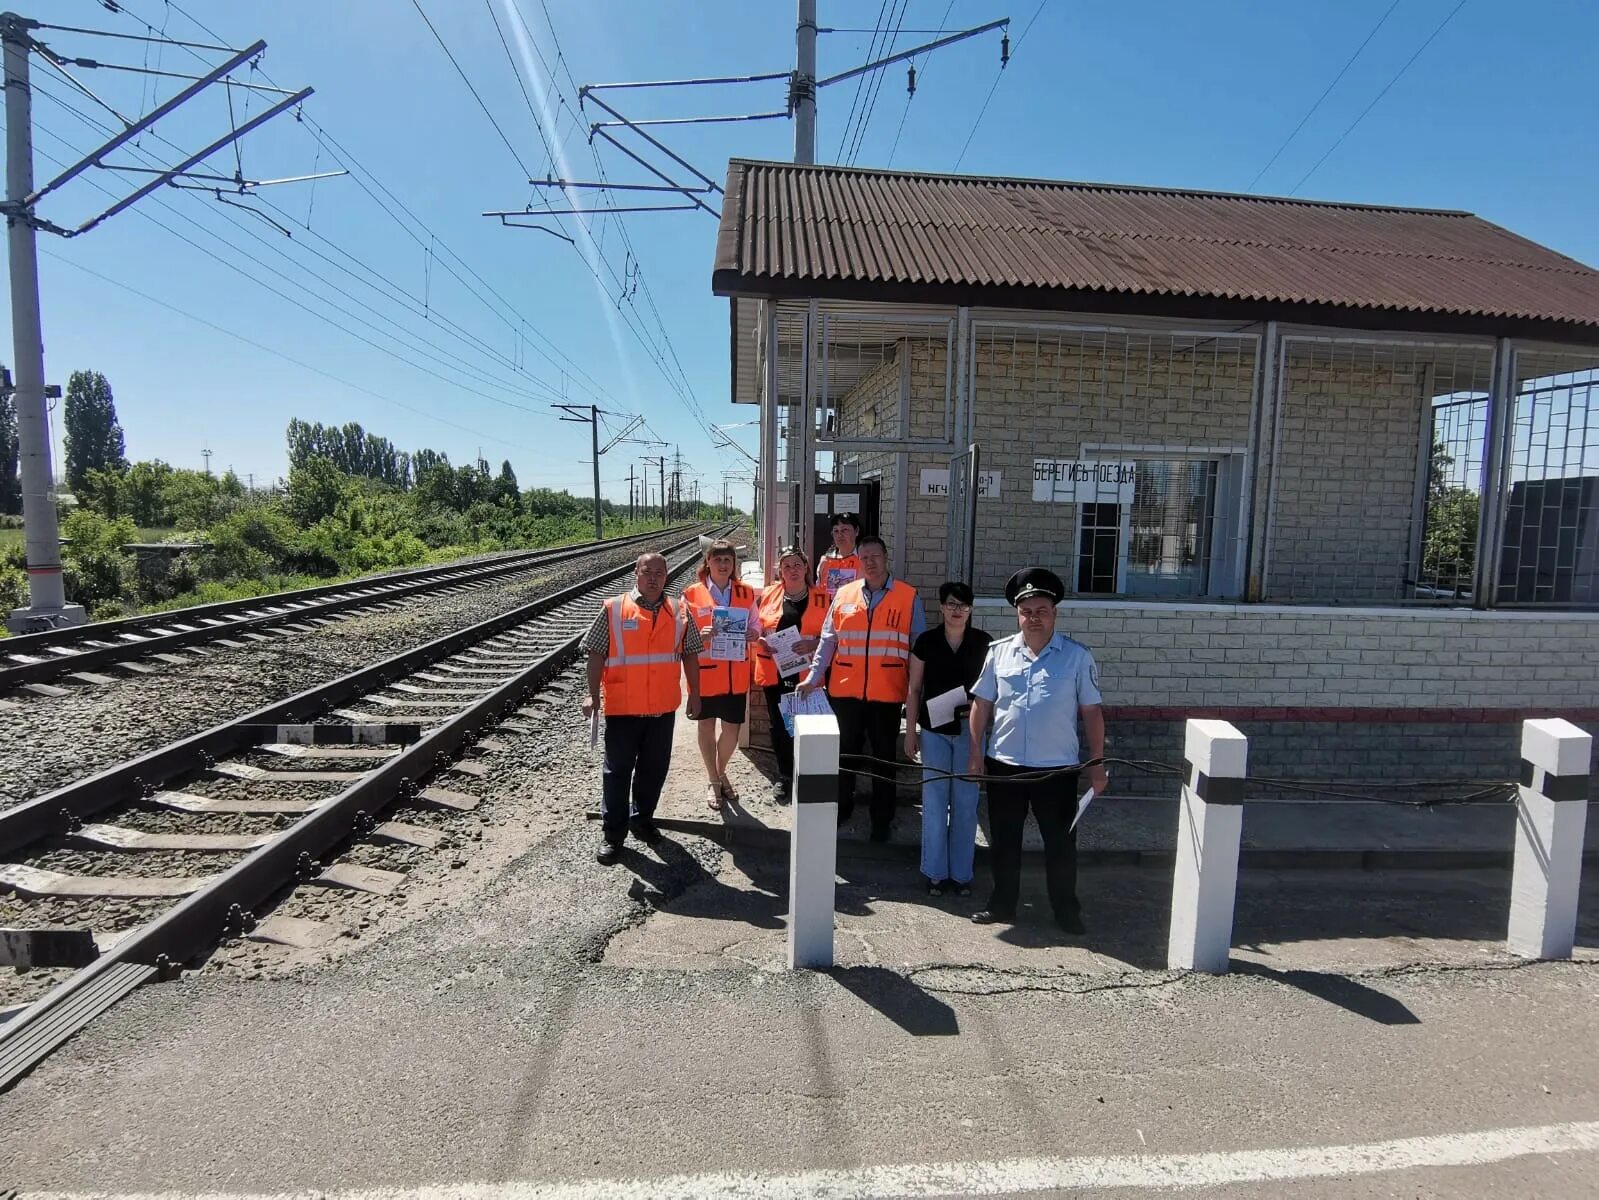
(50, 741)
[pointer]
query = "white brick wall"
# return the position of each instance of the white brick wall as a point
(1190, 655)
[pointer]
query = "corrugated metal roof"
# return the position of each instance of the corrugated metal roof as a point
(834, 231)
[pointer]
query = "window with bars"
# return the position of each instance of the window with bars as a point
(1158, 543)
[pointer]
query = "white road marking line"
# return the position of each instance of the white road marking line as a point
(1161, 1171)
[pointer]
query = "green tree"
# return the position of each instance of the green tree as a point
(1449, 543)
(315, 490)
(10, 483)
(93, 437)
(505, 489)
(144, 493)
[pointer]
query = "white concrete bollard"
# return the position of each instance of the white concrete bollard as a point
(813, 846)
(1551, 815)
(1209, 825)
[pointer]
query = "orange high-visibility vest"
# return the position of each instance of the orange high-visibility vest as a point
(644, 661)
(810, 626)
(719, 678)
(872, 661)
(830, 562)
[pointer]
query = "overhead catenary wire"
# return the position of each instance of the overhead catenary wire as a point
(1311, 111)
(420, 233)
(909, 95)
(860, 80)
(494, 438)
(998, 75)
(661, 350)
(1377, 99)
(875, 88)
(278, 246)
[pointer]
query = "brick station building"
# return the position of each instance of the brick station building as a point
(1328, 470)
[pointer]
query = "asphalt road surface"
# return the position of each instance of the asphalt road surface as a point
(522, 1042)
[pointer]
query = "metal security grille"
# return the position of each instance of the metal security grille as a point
(1376, 471)
(1125, 452)
(1549, 548)
(1168, 551)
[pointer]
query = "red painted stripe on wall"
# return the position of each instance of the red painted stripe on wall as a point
(1368, 716)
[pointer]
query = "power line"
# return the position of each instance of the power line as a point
(998, 75)
(466, 79)
(875, 87)
(1378, 98)
(265, 349)
(909, 96)
(860, 80)
(1311, 111)
(327, 143)
(450, 362)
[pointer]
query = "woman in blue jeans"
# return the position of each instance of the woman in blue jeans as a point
(945, 663)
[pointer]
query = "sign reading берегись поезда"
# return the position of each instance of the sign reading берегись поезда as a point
(1083, 481)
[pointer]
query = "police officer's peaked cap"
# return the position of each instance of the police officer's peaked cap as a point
(1034, 581)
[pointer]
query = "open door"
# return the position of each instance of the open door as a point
(961, 540)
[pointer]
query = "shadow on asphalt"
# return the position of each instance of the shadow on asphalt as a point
(660, 880)
(903, 1001)
(1348, 994)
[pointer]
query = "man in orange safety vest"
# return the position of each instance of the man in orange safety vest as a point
(864, 657)
(638, 648)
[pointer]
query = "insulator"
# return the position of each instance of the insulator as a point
(1004, 50)
(910, 81)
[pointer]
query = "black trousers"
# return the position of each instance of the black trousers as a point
(1054, 804)
(638, 753)
(862, 723)
(782, 742)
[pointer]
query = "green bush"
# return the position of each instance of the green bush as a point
(95, 570)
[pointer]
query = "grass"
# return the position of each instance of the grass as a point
(12, 536)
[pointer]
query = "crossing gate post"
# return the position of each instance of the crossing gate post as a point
(813, 846)
(1209, 826)
(1551, 816)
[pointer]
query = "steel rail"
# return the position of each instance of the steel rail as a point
(198, 922)
(154, 636)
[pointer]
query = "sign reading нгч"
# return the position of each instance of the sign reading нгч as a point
(1083, 481)
(935, 482)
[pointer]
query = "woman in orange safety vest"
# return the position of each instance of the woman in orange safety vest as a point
(840, 565)
(787, 604)
(724, 679)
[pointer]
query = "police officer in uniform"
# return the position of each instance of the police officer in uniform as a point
(638, 647)
(1034, 688)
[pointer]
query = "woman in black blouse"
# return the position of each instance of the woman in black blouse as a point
(947, 658)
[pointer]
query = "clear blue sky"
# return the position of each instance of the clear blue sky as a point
(1497, 116)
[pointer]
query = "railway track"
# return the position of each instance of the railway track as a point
(31, 661)
(123, 877)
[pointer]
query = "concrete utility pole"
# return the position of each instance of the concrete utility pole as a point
(804, 87)
(47, 601)
(591, 414)
(47, 605)
(632, 514)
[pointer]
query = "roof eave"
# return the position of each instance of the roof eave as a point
(1210, 308)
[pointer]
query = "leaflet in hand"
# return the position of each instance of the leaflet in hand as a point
(730, 634)
(793, 704)
(1083, 802)
(941, 709)
(782, 645)
(834, 578)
